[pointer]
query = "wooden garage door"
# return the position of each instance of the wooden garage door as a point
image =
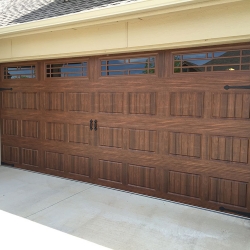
(160, 123)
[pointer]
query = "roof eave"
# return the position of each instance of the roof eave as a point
(108, 14)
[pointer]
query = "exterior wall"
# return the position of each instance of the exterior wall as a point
(222, 24)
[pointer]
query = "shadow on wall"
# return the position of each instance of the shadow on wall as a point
(62, 7)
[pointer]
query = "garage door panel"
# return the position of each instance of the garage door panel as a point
(10, 154)
(54, 161)
(79, 102)
(54, 101)
(110, 171)
(10, 127)
(30, 157)
(186, 184)
(142, 103)
(231, 105)
(79, 165)
(176, 136)
(185, 144)
(225, 191)
(111, 137)
(187, 104)
(110, 102)
(30, 128)
(231, 149)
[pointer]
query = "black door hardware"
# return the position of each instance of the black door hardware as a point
(95, 125)
(2, 89)
(227, 87)
(91, 124)
(222, 209)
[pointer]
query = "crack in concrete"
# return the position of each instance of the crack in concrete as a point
(58, 202)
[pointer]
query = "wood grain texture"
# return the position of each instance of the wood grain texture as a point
(141, 176)
(142, 103)
(110, 171)
(187, 104)
(54, 161)
(30, 157)
(181, 137)
(10, 127)
(228, 192)
(54, 101)
(184, 184)
(79, 165)
(185, 144)
(79, 102)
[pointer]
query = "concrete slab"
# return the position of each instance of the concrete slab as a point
(115, 219)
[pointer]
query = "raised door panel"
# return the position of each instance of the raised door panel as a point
(185, 144)
(11, 100)
(10, 154)
(54, 161)
(79, 165)
(185, 184)
(30, 100)
(79, 133)
(110, 137)
(78, 102)
(55, 131)
(141, 176)
(143, 140)
(110, 102)
(231, 105)
(10, 127)
(230, 149)
(30, 128)
(30, 157)
(142, 103)
(190, 104)
(228, 191)
(54, 101)
(110, 171)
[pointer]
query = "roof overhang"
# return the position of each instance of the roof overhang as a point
(109, 14)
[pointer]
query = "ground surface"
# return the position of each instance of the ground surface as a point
(116, 219)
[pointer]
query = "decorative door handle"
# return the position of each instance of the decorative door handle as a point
(2, 89)
(95, 125)
(91, 124)
(227, 87)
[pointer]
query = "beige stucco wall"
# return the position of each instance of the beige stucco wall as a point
(225, 23)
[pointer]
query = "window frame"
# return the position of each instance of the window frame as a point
(66, 60)
(207, 49)
(129, 56)
(17, 64)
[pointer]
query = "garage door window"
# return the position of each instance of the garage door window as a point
(128, 66)
(20, 72)
(233, 60)
(71, 69)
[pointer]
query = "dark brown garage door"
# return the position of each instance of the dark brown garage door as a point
(160, 124)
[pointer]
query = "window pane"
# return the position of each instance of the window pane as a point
(226, 68)
(71, 69)
(200, 69)
(19, 72)
(210, 61)
(245, 59)
(246, 52)
(129, 66)
(227, 53)
(245, 67)
(190, 56)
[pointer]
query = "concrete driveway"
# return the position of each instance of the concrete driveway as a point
(115, 219)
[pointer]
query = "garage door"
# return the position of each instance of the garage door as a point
(161, 123)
